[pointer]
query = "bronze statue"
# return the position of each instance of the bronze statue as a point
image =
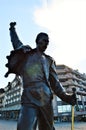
(39, 76)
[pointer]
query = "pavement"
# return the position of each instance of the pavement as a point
(67, 126)
(8, 125)
(11, 125)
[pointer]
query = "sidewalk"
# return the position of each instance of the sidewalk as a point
(67, 126)
(11, 125)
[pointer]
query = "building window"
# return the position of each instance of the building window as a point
(64, 108)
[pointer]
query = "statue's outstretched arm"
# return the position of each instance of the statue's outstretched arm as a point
(16, 43)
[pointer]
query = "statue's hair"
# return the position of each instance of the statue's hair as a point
(40, 35)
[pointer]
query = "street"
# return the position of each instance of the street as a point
(11, 125)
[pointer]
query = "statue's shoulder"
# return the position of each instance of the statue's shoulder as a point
(49, 57)
(19, 52)
(23, 49)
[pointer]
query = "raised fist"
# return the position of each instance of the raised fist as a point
(12, 25)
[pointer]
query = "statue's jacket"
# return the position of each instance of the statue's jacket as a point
(40, 82)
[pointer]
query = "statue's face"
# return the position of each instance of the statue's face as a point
(43, 43)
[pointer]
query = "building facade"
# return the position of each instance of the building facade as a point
(11, 99)
(70, 79)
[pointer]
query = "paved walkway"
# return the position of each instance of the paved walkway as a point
(11, 125)
(67, 126)
(8, 125)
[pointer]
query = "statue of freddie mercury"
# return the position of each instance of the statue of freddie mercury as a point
(40, 79)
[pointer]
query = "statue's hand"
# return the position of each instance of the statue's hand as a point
(12, 25)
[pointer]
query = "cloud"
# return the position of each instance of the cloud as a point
(66, 25)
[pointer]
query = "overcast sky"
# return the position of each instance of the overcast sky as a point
(63, 20)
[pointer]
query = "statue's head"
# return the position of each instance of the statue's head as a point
(42, 40)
